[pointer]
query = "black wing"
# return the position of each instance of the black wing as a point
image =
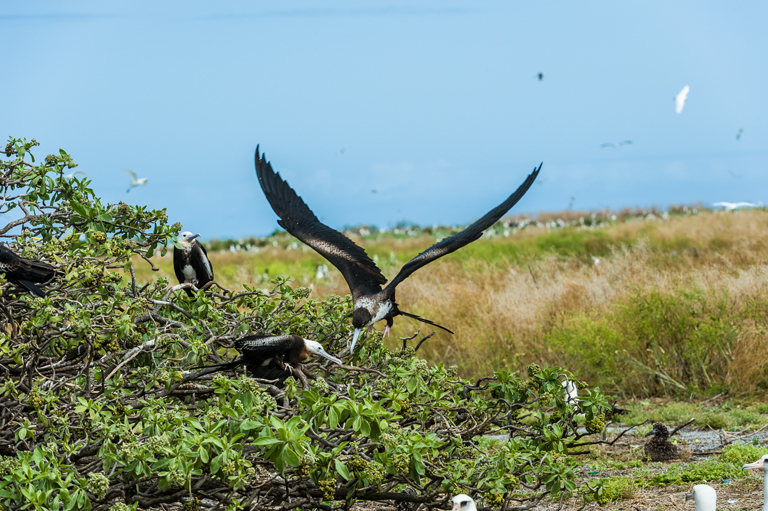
(361, 273)
(259, 347)
(201, 264)
(178, 264)
(465, 237)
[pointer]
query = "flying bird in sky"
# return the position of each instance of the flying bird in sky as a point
(730, 206)
(371, 303)
(616, 146)
(739, 134)
(25, 272)
(73, 174)
(540, 76)
(135, 181)
(680, 99)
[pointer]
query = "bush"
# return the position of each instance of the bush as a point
(101, 410)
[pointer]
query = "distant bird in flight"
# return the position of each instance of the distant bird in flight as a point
(374, 191)
(616, 146)
(371, 303)
(73, 173)
(730, 206)
(191, 263)
(570, 204)
(540, 76)
(25, 272)
(739, 134)
(680, 99)
(735, 175)
(135, 181)
(341, 151)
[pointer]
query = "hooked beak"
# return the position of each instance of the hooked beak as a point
(653, 432)
(354, 339)
(330, 357)
(195, 236)
(758, 464)
(688, 496)
(456, 507)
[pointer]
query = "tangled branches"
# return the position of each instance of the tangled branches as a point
(101, 408)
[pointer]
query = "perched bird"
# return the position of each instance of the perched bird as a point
(463, 502)
(704, 496)
(761, 464)
(371, 303)
(272, 356)
(25, 272)
(739, 134)
(659, 448)
(680, 99)
(730, 206)
(191, 263)
(571, 392)
(616, 146)
(135, 181)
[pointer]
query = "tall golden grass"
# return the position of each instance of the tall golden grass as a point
(641, 307)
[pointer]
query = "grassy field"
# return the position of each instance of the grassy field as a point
(643, 306)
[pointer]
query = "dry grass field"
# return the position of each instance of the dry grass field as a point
(642, 306)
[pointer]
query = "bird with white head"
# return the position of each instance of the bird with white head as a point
(135, 180)
(463, 502)
(762, 465)
(191, 263)
(704, 496)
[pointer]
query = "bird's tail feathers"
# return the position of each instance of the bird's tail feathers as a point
(419, 318)
(39, 271)
(29, 286)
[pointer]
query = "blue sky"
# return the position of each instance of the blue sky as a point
(435, 104)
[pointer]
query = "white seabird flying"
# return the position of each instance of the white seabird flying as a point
(680, 99)
(135, 181)
(730, 206)
(616, 146)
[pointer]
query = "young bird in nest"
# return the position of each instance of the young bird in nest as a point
(659, 448)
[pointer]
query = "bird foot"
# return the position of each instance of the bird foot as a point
(289, 368)
(386, 331)
(370, 329)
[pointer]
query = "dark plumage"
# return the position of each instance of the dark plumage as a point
(191, 263)
(659, 448)
(364, 278)
(25, 272)
(272, 356)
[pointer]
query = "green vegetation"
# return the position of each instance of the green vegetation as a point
(100, 410)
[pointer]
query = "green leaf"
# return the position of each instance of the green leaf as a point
(265, 440)
(342, 469)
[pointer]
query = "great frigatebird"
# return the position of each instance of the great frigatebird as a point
(25, 272)
(371, 303)
(191, 263)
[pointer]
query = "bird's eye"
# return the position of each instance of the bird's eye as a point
(464, 503)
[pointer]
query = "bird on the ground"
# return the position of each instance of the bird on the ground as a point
(659, 448)
(135, 181)
(739, 134)
(730, 206)
(762, 465)
(272, 356)
(463, 502)
(25, 272)
(191, 263)
(704, 496)
(73, 174)
(616, 146)
(371, 303)
(540, 76)
(680, 99)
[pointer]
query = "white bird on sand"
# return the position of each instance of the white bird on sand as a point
(616, 146)
(135, 181)
(705, 497)
(680, 99)
(761, 465)
(73, 173)
(463, 502)
(730, 206)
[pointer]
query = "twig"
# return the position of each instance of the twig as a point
(680, 427)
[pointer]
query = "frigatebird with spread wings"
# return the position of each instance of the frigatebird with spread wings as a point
(371, 303)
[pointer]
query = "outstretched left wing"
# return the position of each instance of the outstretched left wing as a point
(465, 237)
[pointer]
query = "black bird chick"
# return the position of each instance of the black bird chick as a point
(191, 263)
(659, 448)
(25, 272)
(273, 356)
(364, 278)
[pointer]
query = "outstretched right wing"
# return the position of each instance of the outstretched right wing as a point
(361, 273)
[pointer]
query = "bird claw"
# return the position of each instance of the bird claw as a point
(370, 329)
(386, 331)
(290, 369)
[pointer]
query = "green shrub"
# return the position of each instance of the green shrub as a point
(740, 454)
